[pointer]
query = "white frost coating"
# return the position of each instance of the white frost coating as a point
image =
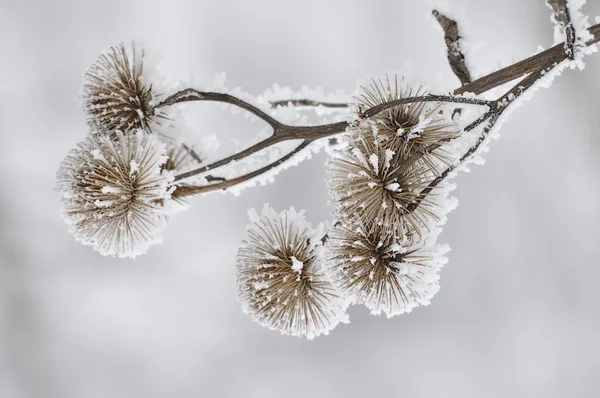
(111, 191)
(280, 275)
(297, 265)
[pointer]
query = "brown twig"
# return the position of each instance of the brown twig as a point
(190, 94)
(455, 55)
(194, 190)
(282, 132)
(561, 15)
(493, 116)
(553, 55)
(307, 103)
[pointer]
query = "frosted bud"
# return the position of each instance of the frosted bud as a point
(112, 191)
(368, 181)
(412, 128)
(281, 280)
(384, 270)
(115, 95)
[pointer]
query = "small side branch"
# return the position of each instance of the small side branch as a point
(553, 55)
(561, 15)
(282, 132)
(184, 191)
(455, 55)
(191, 94)
(308, 103)
(491, 117)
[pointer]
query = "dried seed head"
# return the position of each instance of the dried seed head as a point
(115, 95)
(281, 281)
(409, 128)
(386, 271)
(112, 192)
(370, 181)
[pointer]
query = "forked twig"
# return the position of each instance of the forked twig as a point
(533, 66)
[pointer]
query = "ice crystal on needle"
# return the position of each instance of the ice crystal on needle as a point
(112, 192)
(281, 279)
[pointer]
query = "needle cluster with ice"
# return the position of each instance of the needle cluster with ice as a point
(281, 277)
(112, 191)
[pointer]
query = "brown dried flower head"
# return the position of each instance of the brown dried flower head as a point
(409, 128)
(112, 191)
(115, 95)
(383, 269)
(281, 281)
(370, 181)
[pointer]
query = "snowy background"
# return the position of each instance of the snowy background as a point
(518, 309)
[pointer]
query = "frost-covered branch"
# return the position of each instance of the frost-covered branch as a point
(553, 55)
(307, 103)
(190, 94)
(185, 191)
(455, 55)
(562, 17)
(491, 117)
(283, 132)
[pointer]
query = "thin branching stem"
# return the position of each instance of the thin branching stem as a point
(506, 100)
(308, 103)
(189, 191)
(282, 132)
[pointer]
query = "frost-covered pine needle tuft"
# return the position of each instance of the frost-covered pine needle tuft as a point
(388, 272)
(281, 279)
(114, 94)
(409, 128)
(112, 191)
(369, 181)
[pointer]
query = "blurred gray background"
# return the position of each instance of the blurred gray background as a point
(517, 315)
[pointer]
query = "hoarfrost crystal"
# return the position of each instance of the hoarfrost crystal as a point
(281, 280)
(113, 192)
